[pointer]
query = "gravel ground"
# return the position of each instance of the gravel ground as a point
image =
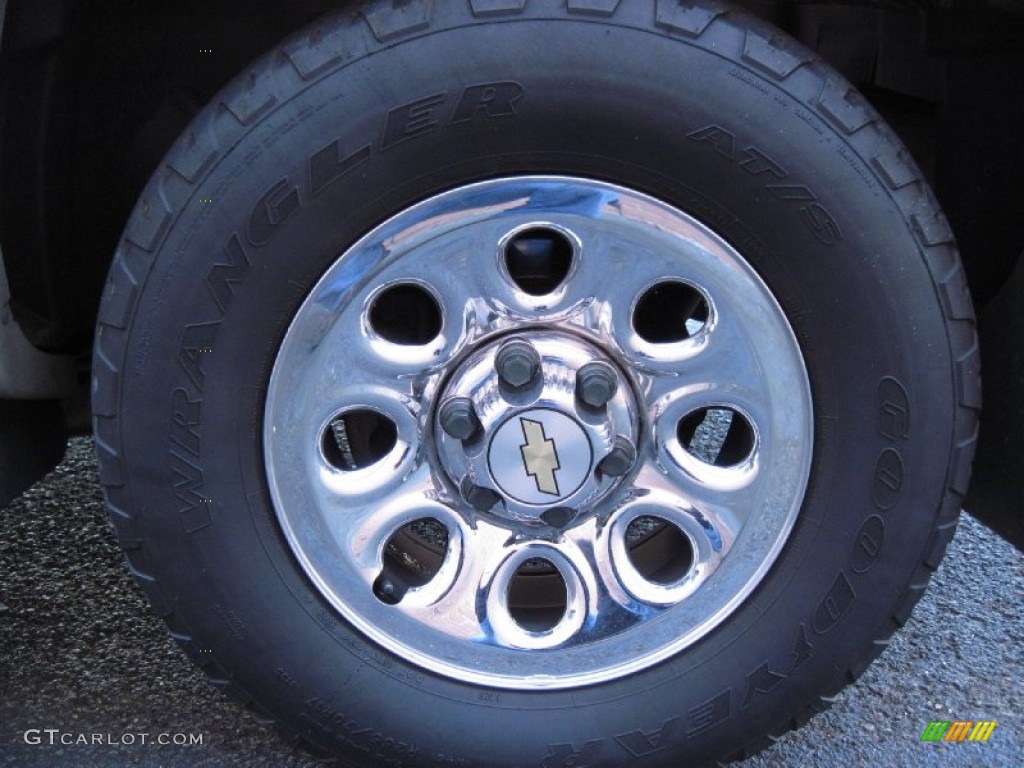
(82, 653)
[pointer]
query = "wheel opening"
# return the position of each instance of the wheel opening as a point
(412, 557)
(406, 314)
(537, 595)
(670, 311)
(659, 550)
(720, 436)
(357, 439)
(538, 260)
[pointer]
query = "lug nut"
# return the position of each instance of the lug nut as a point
(517, 363)
(479, 498)
(596, 383)
(458, 418)
(619, 459)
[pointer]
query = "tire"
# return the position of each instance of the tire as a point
(278, 336)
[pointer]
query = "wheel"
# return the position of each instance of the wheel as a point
(503, 384)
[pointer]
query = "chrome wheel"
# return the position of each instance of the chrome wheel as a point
(538, 414)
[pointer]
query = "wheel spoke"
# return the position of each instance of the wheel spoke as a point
(722, 354)
(721, 511)
(362, 530)
(481, 603)
(459, 604)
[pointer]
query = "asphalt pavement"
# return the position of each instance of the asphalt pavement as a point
(81, 654)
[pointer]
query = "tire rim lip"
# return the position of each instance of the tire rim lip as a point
(337, 523)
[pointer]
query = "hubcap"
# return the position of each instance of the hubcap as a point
(538, 414)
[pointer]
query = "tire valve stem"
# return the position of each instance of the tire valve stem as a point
(386, 591)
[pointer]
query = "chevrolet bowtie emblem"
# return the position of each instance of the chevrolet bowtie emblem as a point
(540, 456)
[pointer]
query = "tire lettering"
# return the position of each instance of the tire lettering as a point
(186, 414)
(411, 120)
(893, 411)
(885, 491)
(710, 713)
(722, 140)
(335, 717)
(644, 742)
(791, 192)
(834, 605)
(330, 164)
(814, 216)
(184, 418)
(745, 77)
(196, 341)
(894, 420)
(756, 162)
(234, 624)
(369, 741)
(567, 756)
(894, 423)
(281, 674)
(222, 277)
(328, 621)
(821, 223)
(868, 544)
(802, 650)
(761, 680)
(319, 725)
(641, 743)
(489, 100)
(194, 512)
(276, 206)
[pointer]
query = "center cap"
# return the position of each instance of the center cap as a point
(540, 457)
(536, 423)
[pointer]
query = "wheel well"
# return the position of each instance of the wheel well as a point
(92, 95)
